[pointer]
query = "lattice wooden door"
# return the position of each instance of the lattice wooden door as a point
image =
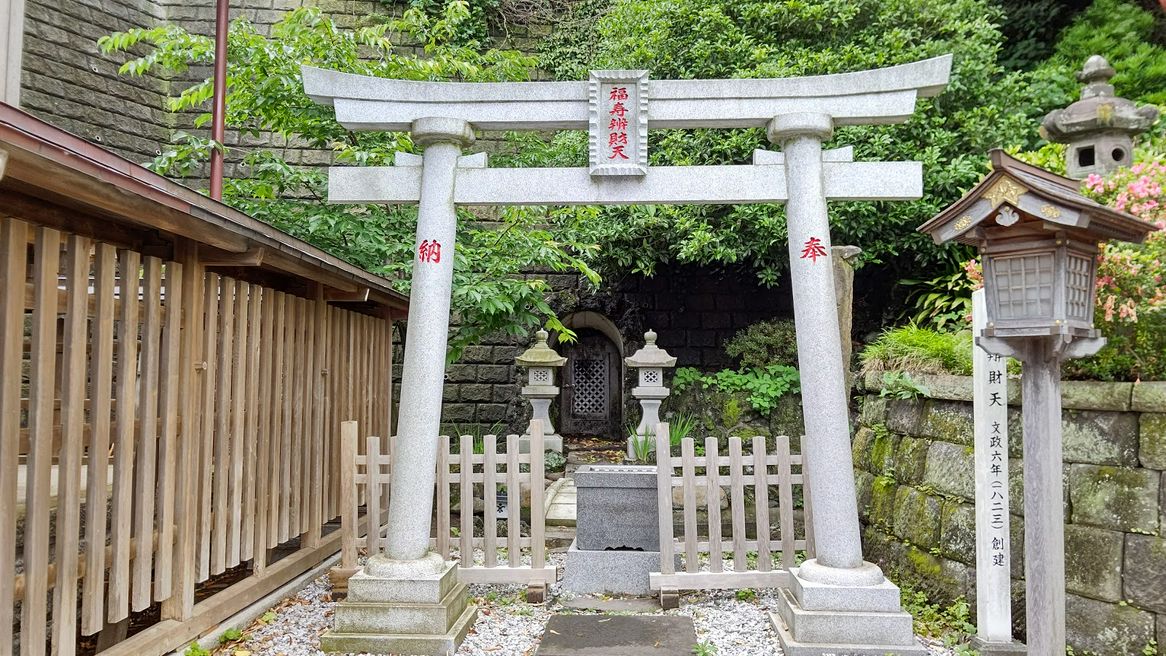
(591, 387)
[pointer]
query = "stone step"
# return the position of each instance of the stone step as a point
(560, 503)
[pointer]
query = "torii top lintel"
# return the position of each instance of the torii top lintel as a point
(886, 95)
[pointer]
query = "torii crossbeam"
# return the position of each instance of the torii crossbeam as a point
(618, 108)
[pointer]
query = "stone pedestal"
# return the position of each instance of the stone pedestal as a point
(402, 607)
(862, 618)
(618, 534)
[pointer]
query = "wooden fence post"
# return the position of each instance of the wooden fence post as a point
(180, 604)
(349, 513)
(669, 596)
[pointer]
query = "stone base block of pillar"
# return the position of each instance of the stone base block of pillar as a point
(992, 648)
(856, 598)
(402, 607)
(611, 572)
(550, 443)
(864, 620)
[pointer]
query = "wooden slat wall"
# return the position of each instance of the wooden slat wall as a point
(200, 413)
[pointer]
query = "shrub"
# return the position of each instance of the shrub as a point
(1131, 301)
(921, 350)
(763, 386)
(764, 343)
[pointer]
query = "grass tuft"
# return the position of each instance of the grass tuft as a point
(920, 350)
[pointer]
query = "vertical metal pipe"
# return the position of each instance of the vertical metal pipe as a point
(219, 106)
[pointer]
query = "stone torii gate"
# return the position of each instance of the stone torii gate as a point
(836, 599)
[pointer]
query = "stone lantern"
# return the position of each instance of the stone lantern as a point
(540, 362)
(1038, 238)
(1100, 127)
(650, 361)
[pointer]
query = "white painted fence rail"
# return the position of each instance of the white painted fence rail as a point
(477, 476)
(759, 470)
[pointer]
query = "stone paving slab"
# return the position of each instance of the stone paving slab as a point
(618, 635)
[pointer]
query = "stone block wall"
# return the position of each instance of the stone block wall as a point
(66, 81)
(915, 476)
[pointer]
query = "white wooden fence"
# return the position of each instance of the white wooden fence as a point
(758, 470)
(476, 476)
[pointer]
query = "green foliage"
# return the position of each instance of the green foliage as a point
(943, 302)
(194, 650)
(1030, 29)
(921, 350)
(553, 461)
(641, 444)
(983, 107)
(230, 635)
(1121, 31)
(686, 376)
(900, 385)
(952, 624)
(764, 343)
(704, 648)
(268, 617)
(680, 427)
(763, 386)
(746, 594)
(265, 95)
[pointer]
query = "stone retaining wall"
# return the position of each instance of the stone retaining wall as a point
(915, 478)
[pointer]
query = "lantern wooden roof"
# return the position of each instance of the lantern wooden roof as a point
(1018, 199)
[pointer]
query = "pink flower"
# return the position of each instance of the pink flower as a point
(1093, 182)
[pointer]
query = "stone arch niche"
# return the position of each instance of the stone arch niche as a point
(591, 400)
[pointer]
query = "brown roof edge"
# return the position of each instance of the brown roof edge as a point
(1002, 161)
(1063, 190)
(20, 131)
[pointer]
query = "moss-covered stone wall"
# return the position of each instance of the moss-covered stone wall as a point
(915, 475)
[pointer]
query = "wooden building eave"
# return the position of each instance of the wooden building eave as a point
(90, 190)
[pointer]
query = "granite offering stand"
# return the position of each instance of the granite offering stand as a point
(617, 539)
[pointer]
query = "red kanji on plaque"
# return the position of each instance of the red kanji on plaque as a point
(429, 251)
(617, 124)
(617, 138)
(618, 109)
(617, 151)
(813, 249)
(619, 93)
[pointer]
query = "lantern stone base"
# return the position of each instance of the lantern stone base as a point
(860, 620)
(550, 443)
(988, 648)
(395, 607)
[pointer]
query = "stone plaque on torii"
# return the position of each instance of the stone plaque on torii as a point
(618, 107)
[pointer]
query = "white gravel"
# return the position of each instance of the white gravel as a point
(508, 626)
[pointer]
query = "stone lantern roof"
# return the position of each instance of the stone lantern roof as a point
(1098, 110)
(541, 354)
(651, 355)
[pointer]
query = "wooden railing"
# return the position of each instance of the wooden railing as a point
(751, 548)
(190, 419)
(464, 476)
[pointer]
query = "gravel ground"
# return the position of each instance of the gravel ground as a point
(508, 626)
